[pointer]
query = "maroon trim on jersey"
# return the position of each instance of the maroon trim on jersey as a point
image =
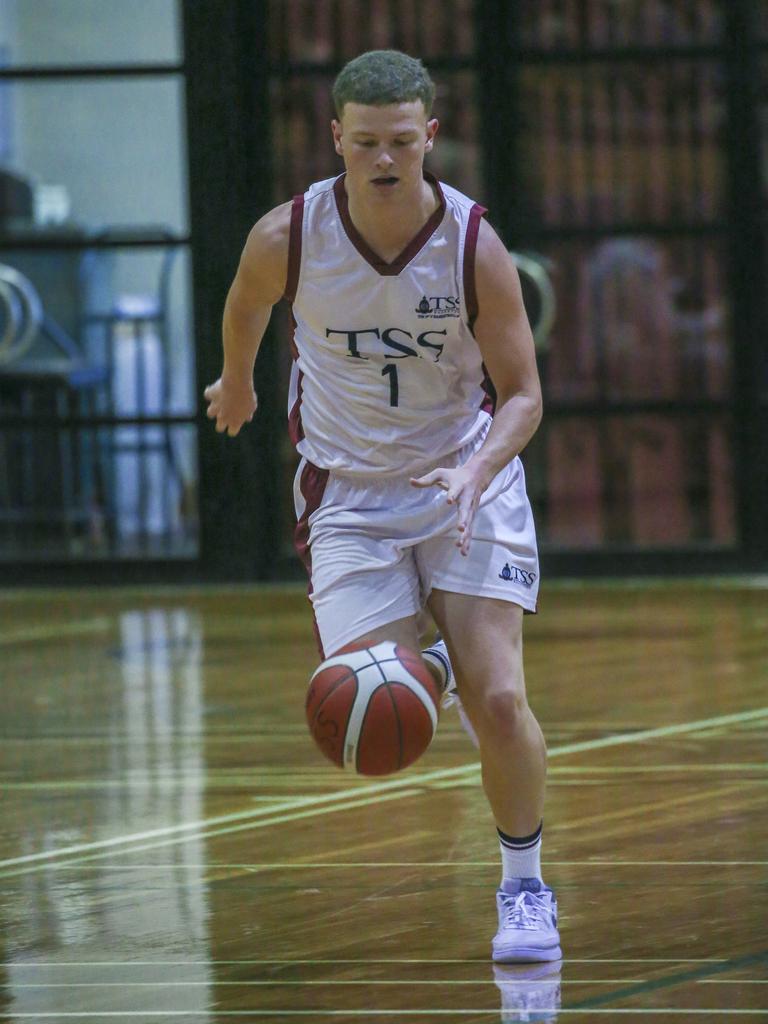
(295, 426)
(415, 245)
(294, 248)
(312, 484)
(488, 403)
(470, 250)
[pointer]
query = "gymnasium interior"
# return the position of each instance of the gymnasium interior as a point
(173, 844)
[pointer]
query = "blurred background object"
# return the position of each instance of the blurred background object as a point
(621, 145)
(94, 215)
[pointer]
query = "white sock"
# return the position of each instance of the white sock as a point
(437, 655)
(520, 858)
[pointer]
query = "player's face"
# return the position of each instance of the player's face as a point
(384, 147)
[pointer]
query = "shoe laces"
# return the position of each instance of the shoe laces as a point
(527, 910)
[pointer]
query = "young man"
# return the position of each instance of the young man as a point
(409, 492)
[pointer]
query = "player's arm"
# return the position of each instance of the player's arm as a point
(259, 283)
(504, 337)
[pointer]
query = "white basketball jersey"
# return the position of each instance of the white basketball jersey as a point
(387, 375)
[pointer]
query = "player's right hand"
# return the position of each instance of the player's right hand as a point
(230, 403)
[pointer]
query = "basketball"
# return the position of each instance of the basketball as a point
(373, 709)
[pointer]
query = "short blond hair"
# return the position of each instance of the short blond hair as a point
(380, 77)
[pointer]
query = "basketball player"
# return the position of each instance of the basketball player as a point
(409, 491)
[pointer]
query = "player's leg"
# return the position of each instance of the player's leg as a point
(478, 603)
(484, 639)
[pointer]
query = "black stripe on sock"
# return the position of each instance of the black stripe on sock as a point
(443, 661)
(524, 843)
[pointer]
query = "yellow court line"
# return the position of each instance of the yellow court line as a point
(663, 769)
(348, 798)
(53, 632)
(712, 792)
(310, 812)
(732, 981)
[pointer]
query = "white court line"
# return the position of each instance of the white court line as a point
(320, 982)
(304, 963)
(306, 865)
(317, 802)
(367, 1013)
(309, 812)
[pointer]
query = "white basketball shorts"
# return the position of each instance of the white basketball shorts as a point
(376, 548)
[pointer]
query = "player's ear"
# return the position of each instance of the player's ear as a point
(336, 131)
(432, 125)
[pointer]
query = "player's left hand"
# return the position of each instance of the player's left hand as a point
(464, 489)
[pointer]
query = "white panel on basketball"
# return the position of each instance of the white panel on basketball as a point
(366, 687)
(364, 692)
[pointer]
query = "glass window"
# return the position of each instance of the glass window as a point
(97, 395)
(114, 343)
(36, 32)
(97, 152)
(92, 492)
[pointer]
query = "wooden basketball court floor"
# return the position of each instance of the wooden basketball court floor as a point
(174, 848)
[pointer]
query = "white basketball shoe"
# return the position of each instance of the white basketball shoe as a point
(438, 653)
(527, 922)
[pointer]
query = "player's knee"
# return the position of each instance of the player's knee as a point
(502, 709)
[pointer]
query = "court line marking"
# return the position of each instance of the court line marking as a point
(214, 866)
(304, 963)
(400, 982)
(319, 982)
(345, 797)
(673, 980)
(257, 1013)
(310, 812)
(733, 766)
(53, 632)
(273, 983)
(731, 581)
(297, 778)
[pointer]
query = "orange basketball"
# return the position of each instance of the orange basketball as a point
(374, 709)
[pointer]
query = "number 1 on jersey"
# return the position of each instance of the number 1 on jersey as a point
(390, 370)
